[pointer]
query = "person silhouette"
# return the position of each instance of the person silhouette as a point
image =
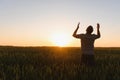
(87, 44)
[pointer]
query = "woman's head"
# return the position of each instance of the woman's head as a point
(89, 29)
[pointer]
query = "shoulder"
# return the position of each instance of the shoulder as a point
(78, 35)
(82, 34)
(95, 36)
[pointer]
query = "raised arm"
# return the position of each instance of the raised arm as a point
(75, 32)
(98, 31)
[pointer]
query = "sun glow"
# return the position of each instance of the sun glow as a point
(60, 39)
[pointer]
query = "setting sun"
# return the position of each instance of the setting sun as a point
(60, 39)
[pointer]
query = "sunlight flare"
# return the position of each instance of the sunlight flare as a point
(60, 39)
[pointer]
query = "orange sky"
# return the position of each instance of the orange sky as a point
(37, 23)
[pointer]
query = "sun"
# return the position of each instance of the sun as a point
(60, 39)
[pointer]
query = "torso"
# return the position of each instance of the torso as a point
(87, 44)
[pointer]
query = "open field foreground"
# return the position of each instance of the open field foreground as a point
(55, 63)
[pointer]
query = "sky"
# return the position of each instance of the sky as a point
(37, 22)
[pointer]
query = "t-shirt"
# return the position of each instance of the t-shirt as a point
(87, 43)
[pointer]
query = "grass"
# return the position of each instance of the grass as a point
(55, 63)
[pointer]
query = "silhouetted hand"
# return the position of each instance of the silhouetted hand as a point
(98, 26)
(78, 25)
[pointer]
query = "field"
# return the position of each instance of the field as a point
(55, 63)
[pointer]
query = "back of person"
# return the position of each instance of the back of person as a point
(87, 43)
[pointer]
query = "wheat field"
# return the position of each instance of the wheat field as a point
(57, 63)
